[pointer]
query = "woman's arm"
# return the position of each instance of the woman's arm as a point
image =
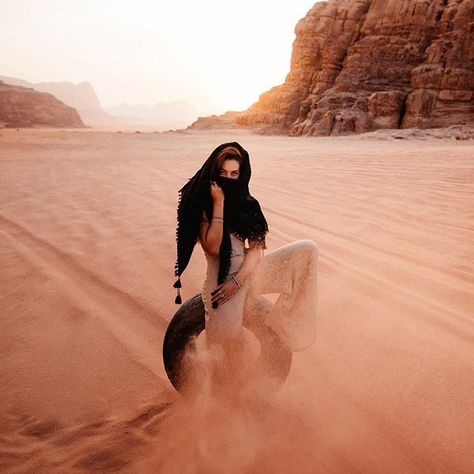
(228, 288)
(252, 257)
(210, 233)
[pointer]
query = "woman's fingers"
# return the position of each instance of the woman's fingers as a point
(216, 289)
(216, 293)
(218, 297)
(222, 293)
(222, 300)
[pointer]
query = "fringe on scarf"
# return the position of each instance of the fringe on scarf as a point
(177, 283)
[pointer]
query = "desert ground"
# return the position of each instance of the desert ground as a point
(87, 252)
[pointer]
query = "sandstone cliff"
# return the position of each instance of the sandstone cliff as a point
(80, 96)
(217, 122)
(23, 106)
(362, 65)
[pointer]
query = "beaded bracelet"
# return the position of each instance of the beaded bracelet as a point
(236, 282)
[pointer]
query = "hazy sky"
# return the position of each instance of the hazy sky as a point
(216, 54)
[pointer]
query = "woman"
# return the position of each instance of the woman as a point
(216, 208)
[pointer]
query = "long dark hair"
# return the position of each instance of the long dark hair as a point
(227, 153)
(243, 215)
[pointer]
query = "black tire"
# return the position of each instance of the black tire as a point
(273, 363)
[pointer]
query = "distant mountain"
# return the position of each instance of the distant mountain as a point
(177, 112)
(80, 96)
(26, 107)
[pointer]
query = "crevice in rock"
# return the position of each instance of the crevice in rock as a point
(402, 111)
(444, 4)
(353, 42)
(362, 22)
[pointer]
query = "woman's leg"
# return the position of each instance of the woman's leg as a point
(225, 321)
(290, 271)
(224, 337)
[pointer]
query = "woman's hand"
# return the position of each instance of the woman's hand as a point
(217, 193)
(223, 292)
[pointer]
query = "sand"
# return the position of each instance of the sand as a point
(87, 251)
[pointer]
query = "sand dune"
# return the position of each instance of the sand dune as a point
(87, 249)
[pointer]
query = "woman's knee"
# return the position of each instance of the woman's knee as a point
(309, 246)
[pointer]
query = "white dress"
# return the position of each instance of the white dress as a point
(225, 321)
(289, 271)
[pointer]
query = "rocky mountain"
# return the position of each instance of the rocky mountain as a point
(81, 96)
(23, 107)
(362, 65)
(217, 122)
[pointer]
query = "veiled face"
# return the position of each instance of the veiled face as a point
(230, 169)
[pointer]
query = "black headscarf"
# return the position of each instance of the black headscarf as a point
(242, 213)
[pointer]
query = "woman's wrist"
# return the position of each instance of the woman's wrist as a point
(217, 212)
(236, 281)
(240, 278)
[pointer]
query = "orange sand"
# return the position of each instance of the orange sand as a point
(87, 249)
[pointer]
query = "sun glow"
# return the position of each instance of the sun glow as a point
(215, 54)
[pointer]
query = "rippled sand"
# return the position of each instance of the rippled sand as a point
(87, 250)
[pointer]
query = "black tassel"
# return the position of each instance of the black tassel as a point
(177, 285)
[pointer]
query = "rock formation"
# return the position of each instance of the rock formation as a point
(24, 107)
(214, 122)
(81, 96)
(362, 65)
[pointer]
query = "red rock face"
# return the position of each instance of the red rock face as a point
(23, 107)
(361, 65)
